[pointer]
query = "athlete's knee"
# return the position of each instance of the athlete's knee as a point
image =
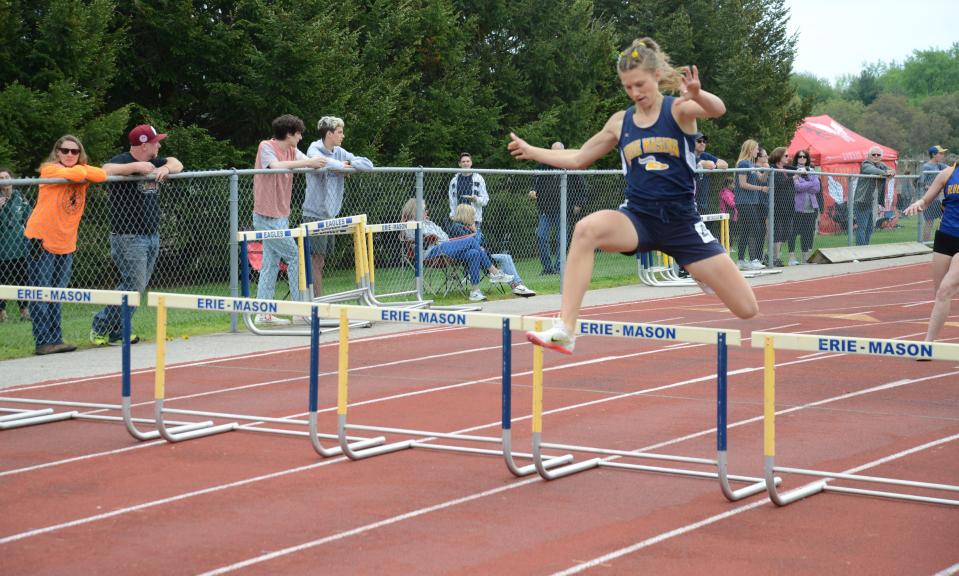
(947, 291)
(587, 232)
(746, 309)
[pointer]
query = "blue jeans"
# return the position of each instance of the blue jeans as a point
(543, 232)
(275, 249)
(467, 250)
(135, 256)
(505, 263)
(864, 224)
(53, 271)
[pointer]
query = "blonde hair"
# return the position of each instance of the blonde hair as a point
(745, 151)
(53, 159)
(465, 214)
(328, 124)
(408, 212)
(646, 54)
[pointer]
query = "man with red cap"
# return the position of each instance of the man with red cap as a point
(134, 222)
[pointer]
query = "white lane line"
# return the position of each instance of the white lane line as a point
(221, 487)
(449, 503)
(730, 513)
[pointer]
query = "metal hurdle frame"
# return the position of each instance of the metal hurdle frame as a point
(302, 233)
(721, 337)
(548, 467)
(163, 301)
(17, 418)
(451, 318)
(909, 349)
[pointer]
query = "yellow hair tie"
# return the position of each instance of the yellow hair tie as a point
(635, 53)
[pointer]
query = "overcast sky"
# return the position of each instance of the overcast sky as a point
(838, 37)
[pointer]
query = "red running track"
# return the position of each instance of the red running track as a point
(84, 497)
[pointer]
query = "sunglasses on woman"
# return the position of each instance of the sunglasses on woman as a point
(69, 151)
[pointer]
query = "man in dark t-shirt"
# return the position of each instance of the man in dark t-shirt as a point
(134, 222)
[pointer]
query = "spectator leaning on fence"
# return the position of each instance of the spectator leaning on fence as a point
(870, 192)
(547, 193)
(468, 188)
(926, 176)
(324, 190)
(271, 206)
(134, 222)
(51, 233)
(705, 161)
(14, 212)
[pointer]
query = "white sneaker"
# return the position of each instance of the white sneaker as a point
(500, 278)
(303, 320)
(743, 265)
(793, 262)
(270, 319)
(522, 290)
(477, 296)
(555, 338)
(757, 265)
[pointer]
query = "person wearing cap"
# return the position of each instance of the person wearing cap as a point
(134, 222)
(705, 161)
(324, 189)
(926, 176)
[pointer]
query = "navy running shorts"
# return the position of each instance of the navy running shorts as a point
(677, 231)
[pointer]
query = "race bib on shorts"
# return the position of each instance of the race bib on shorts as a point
(704, 232)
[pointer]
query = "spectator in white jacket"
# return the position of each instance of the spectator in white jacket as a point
(468, 188)
(324, 190)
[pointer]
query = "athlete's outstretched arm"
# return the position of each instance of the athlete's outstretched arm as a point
(574, 158)
(929, 197)
(694, 102)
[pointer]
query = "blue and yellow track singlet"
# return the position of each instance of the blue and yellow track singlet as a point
(658, 161)
(950, 205)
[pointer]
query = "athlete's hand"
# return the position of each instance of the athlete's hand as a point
(519, 148)
(691, 86)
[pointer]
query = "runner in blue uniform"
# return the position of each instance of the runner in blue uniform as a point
(657, 146)
(945, 262)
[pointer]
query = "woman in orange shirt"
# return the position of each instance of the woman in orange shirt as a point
(51, 235)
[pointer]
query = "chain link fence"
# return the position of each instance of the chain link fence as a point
(201, 212)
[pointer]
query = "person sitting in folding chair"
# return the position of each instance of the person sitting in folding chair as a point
(466, 249)
(464, 224)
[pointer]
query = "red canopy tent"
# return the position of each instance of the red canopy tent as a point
(835, 148)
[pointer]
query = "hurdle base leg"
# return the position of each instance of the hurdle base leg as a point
(361, 454)
(794, 494)
(325, 452)
(22, 422)
(758, 484)
(519, 471)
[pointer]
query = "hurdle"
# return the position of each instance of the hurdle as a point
(906, 349)
(163, 301)
(18, 418)
(722, 339)
(374, 299)
(430, 317)
(302, 234)
(548, 467)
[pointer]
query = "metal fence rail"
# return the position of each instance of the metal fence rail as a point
(201, 212)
